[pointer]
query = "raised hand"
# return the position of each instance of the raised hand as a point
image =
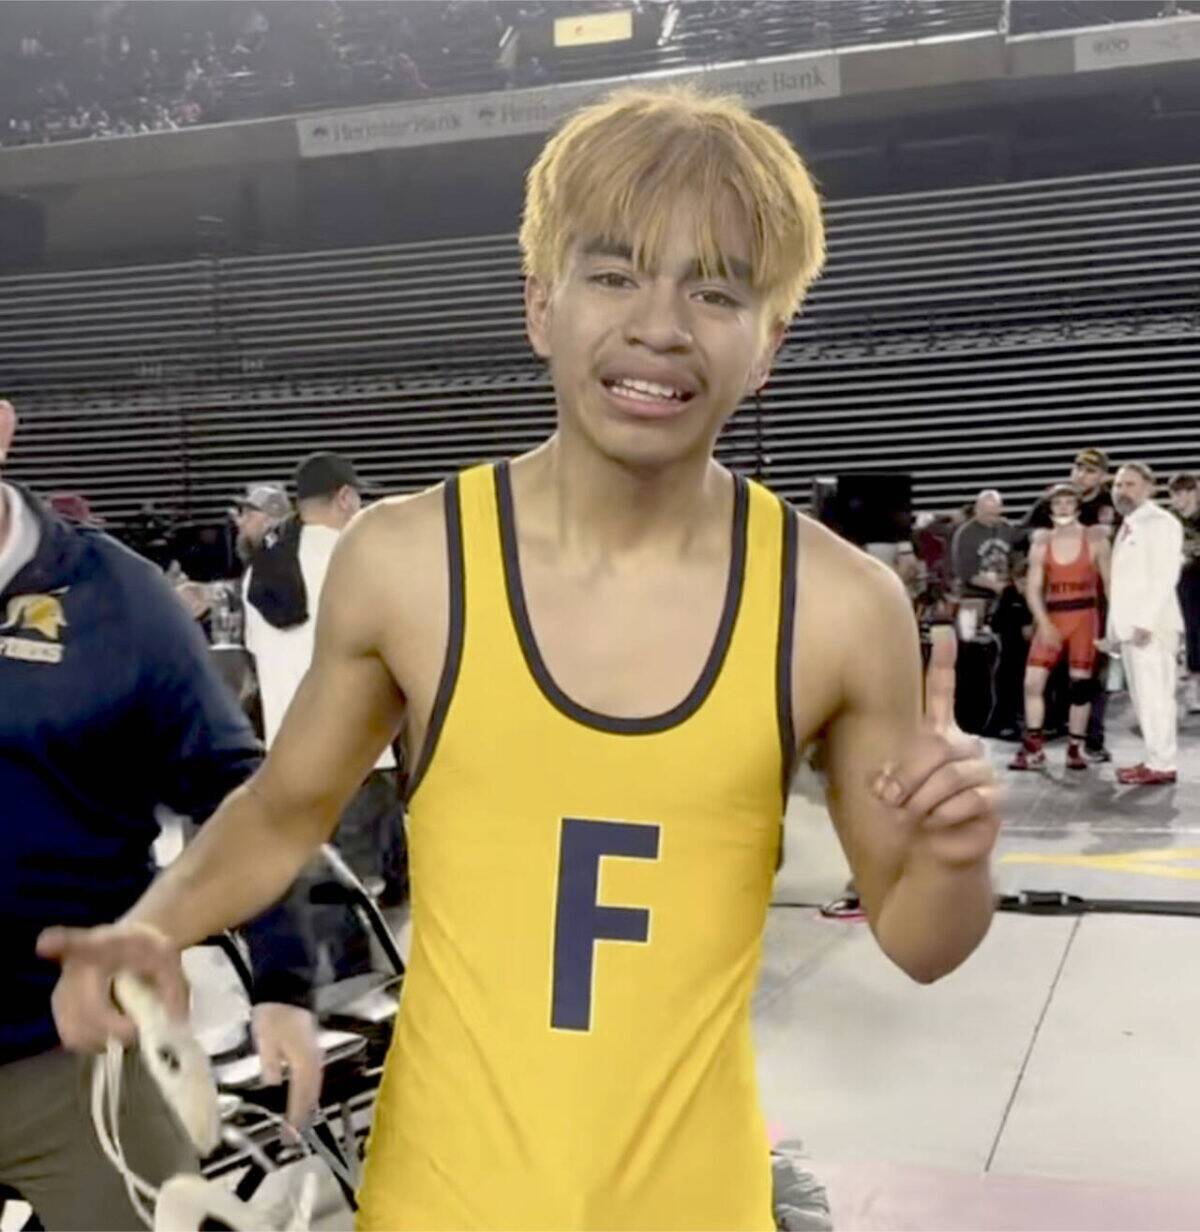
(942, 785)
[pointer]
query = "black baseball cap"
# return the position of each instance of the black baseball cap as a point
(323, 473)
(1092, 457)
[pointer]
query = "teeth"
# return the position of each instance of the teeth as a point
(630, 385)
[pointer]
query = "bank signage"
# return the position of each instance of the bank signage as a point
(1132, 44)
(762, 83)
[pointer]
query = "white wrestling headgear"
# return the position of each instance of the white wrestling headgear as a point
(179, 1066)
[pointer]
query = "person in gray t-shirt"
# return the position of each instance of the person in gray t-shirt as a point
(981, 547)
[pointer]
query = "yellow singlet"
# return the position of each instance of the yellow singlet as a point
(573, 1048)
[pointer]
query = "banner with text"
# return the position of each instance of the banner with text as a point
(1126, 46)
(762, 83)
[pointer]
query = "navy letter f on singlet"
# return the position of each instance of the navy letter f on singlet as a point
(580, 921)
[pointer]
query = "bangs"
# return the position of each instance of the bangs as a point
(633, 200)
(618, 171)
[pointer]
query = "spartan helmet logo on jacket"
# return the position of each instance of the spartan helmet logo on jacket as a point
(39, 613)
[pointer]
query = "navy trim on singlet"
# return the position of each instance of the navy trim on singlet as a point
(454, 641)
(533, 656)
(785, 649)
(1072, 605)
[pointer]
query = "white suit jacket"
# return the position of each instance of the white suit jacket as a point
(1146, 558)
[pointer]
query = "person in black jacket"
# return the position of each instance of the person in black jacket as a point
(109, 708)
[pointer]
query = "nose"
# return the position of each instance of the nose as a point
(658, 319)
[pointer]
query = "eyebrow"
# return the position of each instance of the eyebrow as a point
(727, 267)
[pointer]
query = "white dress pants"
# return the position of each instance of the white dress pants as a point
(1150, 673)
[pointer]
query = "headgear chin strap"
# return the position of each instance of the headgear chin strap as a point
(180, 1068)
(188, 1202)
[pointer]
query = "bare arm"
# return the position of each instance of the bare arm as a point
(344, 713)
(921, 863)
(1036, 581)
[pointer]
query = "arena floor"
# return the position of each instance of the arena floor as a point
(1049, 1083)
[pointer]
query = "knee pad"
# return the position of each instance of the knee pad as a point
(1082, 692)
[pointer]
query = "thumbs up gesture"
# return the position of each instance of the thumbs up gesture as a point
(942, 786)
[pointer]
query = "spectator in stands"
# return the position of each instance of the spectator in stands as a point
(1144, 620)
(1185, 500)
(109, 707)
(981, 547)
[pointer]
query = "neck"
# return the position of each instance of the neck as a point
(323, 515)
(600, 509)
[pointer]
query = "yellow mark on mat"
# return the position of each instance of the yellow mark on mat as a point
(1173, 862)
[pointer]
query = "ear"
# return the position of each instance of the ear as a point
(538, 296)
(8, 427)
(761, 369)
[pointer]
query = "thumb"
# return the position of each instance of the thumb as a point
(57, 943)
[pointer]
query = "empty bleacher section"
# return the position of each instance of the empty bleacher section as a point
(76, 69)
(975, 336)
(1035, 16)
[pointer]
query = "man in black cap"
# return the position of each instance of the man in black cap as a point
(283, 591)
(287, 571)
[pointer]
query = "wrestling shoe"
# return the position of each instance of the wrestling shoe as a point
(848, 907)
(1028, 759)
(1075, 757)
(1096, 753)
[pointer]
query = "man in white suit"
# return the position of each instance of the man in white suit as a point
(1144, 619)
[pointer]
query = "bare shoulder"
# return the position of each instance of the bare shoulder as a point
(390, 562)
(836, 570)
(1097, 536)
(853, 616)
(1038, 540)
(394, 537)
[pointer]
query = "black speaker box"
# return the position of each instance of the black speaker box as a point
(866, 506)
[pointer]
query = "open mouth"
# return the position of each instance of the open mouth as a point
(647, 397)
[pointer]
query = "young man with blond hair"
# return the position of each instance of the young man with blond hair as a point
(603, 657)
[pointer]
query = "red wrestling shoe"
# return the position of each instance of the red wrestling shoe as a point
(1030, 756)
(1075, 757)
(1127, 774)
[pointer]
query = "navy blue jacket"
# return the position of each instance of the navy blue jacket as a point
(109, 706)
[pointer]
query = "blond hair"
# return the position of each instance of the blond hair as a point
(617, 169)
